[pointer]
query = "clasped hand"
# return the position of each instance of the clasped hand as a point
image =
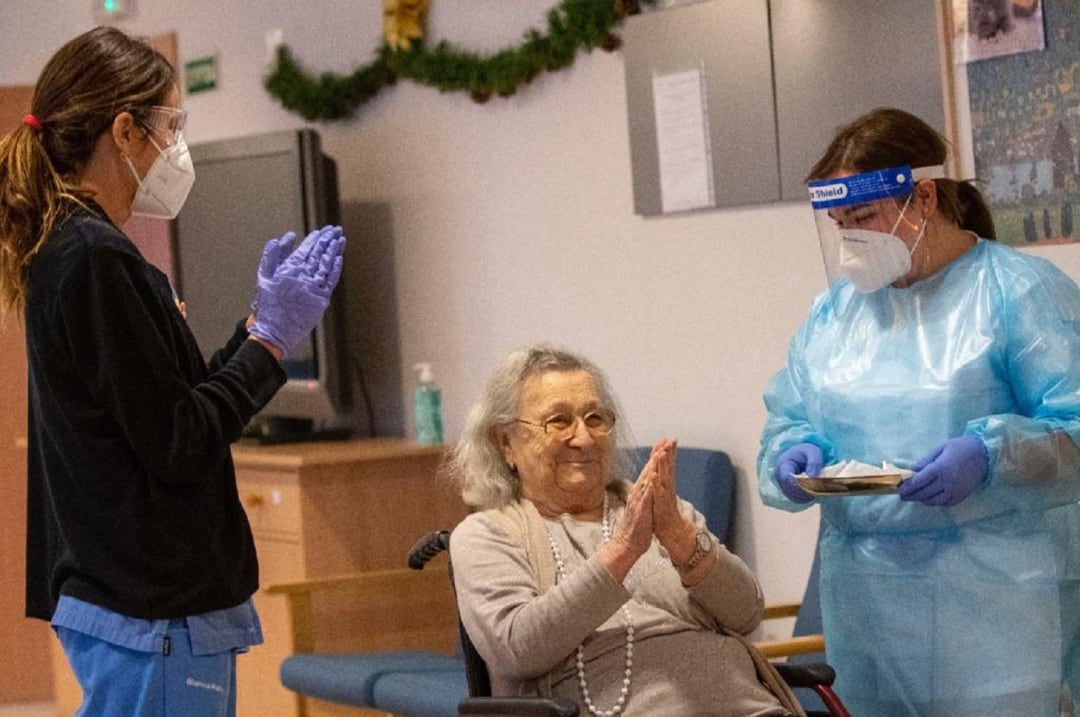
(294, 286)
(652, 509)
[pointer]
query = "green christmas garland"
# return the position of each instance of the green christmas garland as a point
(572, 25)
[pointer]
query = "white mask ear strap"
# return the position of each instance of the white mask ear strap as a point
(907, 203)
(922, 233)
(131, 166)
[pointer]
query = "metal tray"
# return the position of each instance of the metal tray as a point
(850, 485)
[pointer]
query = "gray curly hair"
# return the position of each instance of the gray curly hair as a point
(476, 463)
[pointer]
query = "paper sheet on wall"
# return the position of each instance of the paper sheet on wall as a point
(682, 140)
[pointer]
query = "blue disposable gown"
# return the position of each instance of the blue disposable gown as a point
(969, 610)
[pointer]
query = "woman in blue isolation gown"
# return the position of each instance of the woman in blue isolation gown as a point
(941, 351)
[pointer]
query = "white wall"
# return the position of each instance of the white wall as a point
(513, 222)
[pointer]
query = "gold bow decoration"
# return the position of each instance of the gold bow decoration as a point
(403, 22)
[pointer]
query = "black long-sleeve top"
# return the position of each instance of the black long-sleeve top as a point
(132, 500)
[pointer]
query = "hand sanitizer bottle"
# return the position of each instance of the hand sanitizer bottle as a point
(427, 407)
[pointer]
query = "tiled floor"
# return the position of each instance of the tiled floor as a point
(26, 709)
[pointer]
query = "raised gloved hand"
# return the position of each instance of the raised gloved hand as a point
(294, 290)
(800, 458)
(947, 474)
(273, 252)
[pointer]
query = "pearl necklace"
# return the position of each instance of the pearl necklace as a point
(560, 568)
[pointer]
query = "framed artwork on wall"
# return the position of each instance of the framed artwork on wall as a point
(1025, 124)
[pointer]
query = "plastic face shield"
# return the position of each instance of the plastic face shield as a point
(855, 216)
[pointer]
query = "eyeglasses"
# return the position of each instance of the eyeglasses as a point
(561, 426)
(167, 122)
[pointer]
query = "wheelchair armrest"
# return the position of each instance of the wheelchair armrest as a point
(779, 610)
(801, 645)
(375, 587)
(351, 581)
(806, 674)
(796, 645)
(517, 706)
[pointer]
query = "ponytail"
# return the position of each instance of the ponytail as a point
(31, 201)
(975, 215)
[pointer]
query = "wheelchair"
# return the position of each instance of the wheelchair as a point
(818, 677)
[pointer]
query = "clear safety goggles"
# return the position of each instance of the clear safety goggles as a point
(870, 202)
(165, 123)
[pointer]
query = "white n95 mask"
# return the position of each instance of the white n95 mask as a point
(164, 189)
(872, 260)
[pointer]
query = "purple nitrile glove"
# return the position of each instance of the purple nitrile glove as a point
(801, 458)
(948, 474)
(294, 291)
(274, 252)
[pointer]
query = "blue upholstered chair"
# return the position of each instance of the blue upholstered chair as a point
(386, 680)
(706, 478)
(377, 678)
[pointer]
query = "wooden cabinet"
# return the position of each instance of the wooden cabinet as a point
(778, 77)
(727, 43)
(321, 509)
(833, 60)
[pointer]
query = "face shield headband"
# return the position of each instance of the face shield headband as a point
(857, 217)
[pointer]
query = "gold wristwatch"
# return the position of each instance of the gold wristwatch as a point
(701, 549)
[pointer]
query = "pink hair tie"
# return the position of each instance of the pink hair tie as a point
(33, 121)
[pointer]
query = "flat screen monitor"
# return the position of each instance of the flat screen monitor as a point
(248, 190)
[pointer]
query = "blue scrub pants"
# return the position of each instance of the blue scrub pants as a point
(170, 682)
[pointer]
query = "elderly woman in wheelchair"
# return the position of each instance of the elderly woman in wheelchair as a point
(574, 583)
